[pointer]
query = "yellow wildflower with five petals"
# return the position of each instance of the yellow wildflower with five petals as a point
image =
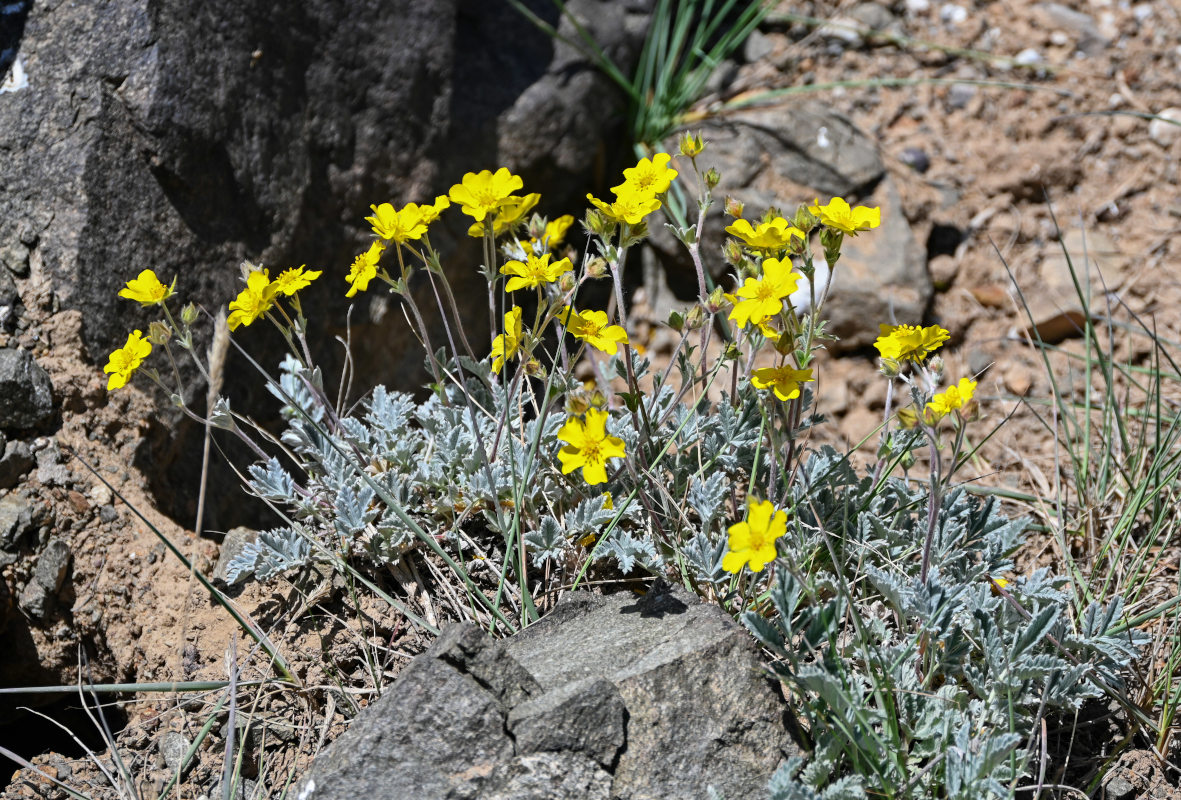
(784, 380)
(763, 297)
(630, 207)
(909, 342)
(838, 215)
(253, 301)
(147, 290)
(430, 213)
(508, 215)
(505, 345)
(649, 177)
(481, 193)
(126, 360)
(752, 541)
(534, 271)
(364, 269)
(955, 398)
(592, 328)
(291, 281)
(555, 231)
(768, 237)
(398, 226)
(588, 446)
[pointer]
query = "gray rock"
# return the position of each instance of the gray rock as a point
(1081, 26)
(757, 46)
(302, 121)
(244, 789)
(51, 467)
(231, 547)
(36, 600)
(619, 696)
(173, 746)
(1165, 128)
(881, 277)
(15, 463)
(16, 521)
(52, 565)
(26, 394)
(9, 300)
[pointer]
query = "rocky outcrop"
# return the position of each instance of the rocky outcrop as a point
(607, 697)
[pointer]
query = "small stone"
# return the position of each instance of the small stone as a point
(173, 746)
(231, 546)
(959, 95)
(16, 521)
(51, 469)
(915, 158)
(1028, 57)
(951, 14)
(78, 501)
(1165, 130)
(992, 295)
(757, 47)
(874, 16)
(52, 565)
(1019, 380)
(100, 494)
(1119, 788)
(915, 7)
(36, 600)
(26, 394)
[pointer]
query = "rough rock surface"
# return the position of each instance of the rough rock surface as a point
(607, 697)
(26, 394)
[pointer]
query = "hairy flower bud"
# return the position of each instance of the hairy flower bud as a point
(188, 314)
(695, 318)
(733, 207)
(889, 367)
(691, 144)
(676, 321)
(599, 224)
(715, 300)
(596, 267)
(732, 252)
(712, 178)
(159, 333)
(805, 220)
(566, 282)
(936, 365)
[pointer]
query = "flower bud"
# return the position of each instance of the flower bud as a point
(712, 178)
(732, 252)
(907, 418)
(533, 368)
(691, 144)
(159, 333)
(805, 220)
(188, 314)
(695, 318)
(715, 300)
(599, 224)
(733, 207)
(906, 460)
(567, 282)
(598, 399)
(676, 321)
(890, 367)
(936, 365)
(596, 267)
(577, 403)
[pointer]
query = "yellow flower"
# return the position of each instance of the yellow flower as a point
(753, 540)
(505, 345)
(629, 206)
(147, 290)
(431, 213)
(364, 269)
(760, 298)
(955, 398)
(253, 301)
(649, 177)
(909, 342)
(536, 271)
(784, 380)
(507, 216)
(398, 226)
(588, 446)
(480, 194)
(291, 281)
(555, 231)
(592, 328)
(768, 236)
(126, 360)
(839, 216)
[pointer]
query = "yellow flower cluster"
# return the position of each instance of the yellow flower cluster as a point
(260, 293)
(638, 195)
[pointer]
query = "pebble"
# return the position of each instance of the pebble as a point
(1166, 129)
(1027, 57)
(952, 14)
(918, 6)
(173, 747)
(915, 158)
(1019, 380)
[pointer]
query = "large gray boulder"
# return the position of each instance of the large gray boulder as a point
(607, 697)
(185, 137)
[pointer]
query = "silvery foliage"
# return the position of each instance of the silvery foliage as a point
(943, 680)
(443, 471)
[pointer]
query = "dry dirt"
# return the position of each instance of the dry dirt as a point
(1071, 138)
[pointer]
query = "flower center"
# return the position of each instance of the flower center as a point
(591, 452)
(765, 291)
